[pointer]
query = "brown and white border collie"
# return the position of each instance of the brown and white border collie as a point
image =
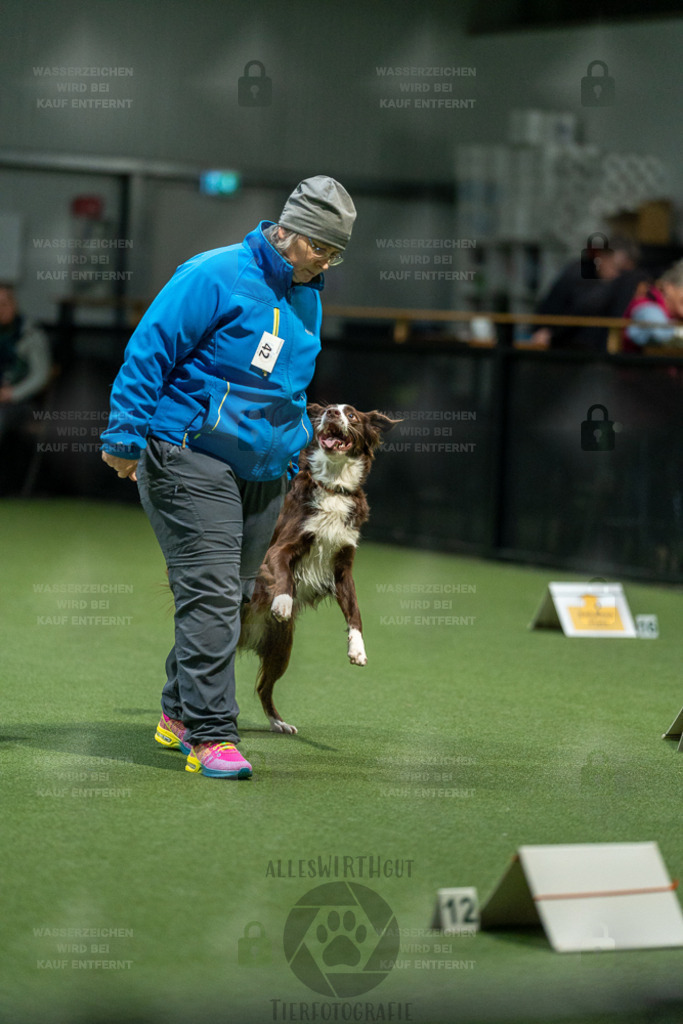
(310, 557)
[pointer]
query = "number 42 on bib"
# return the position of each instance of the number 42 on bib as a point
(267, 352)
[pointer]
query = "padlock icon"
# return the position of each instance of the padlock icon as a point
(254, 950)
(592, 254)
(597, 435)
(597, 90)
(254, 90)
(598, 943)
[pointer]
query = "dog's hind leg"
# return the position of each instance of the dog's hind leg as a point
(345, 590)
(274, 651)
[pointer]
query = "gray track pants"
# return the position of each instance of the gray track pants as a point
(214, 530)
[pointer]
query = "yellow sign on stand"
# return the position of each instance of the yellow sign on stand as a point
(585, 609)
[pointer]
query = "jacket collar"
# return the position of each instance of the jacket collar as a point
(275, 267)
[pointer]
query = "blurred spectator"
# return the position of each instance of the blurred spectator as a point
(662, 304)
(614, 280)
(24, 362)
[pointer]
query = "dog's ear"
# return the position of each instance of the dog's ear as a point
(380, 422)
(378, 425)
(315, 411)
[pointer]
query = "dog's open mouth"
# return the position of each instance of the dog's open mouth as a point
(333, 442)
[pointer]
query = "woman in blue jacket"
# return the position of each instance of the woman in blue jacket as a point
(208, 414)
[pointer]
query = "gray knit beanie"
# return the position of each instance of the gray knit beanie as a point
(320, 208)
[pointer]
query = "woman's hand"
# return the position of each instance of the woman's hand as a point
(124, 467)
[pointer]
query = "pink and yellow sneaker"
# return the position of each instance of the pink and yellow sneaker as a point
(218, 761)
(171, 734)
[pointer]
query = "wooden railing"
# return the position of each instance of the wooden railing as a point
(404, 318)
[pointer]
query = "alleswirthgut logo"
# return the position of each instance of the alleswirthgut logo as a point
(341, 939)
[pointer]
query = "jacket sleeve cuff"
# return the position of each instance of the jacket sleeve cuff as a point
(121, 451)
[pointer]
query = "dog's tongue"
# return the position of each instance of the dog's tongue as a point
(329, 442)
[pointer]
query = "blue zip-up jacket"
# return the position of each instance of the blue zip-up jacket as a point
(187, 375)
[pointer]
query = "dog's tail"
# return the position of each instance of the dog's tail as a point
(249, 628)
(271, 641)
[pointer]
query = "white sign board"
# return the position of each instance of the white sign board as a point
(589, 896)
(586, 609)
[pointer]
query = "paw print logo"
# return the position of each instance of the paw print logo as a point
(341, 939)
(343, 948)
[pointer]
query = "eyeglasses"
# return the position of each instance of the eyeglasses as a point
(320, 253)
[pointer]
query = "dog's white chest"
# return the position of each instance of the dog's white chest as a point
(330, 521)
(330, 525)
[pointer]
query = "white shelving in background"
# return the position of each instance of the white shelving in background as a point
(527, 208)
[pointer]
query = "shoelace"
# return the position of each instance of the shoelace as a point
(223, 745)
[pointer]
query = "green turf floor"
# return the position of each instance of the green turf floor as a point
(456, 744)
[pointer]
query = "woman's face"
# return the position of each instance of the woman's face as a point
(673, 293)
(304, 261)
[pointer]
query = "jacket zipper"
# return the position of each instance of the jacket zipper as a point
(266, 456)
(220, 409)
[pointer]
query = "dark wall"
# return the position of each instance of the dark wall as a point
(487, 458)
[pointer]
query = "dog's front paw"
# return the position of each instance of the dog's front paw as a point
(282, 607)
(357, 655)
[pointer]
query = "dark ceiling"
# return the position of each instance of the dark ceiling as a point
(508, 15)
